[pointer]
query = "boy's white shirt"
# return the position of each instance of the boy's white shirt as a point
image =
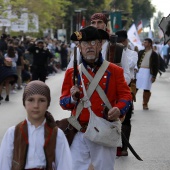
(132, 60)
(35, 155)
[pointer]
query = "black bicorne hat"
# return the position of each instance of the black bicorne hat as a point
(121, 35)
(89, 33)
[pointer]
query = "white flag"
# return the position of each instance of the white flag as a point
(134, 37)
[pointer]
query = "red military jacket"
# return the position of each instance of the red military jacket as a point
(113, 84)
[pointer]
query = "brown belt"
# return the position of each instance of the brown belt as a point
(84, 127)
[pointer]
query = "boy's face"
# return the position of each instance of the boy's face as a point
(36, 106)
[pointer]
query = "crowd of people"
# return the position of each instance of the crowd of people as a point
(32, 59)
(109, 76)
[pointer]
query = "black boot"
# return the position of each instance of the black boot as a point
(1, 98)
(126, 130)
(7, 98)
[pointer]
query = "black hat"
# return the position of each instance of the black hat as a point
(40, 41)
(4, 36)
(122, 34)
(89, 33)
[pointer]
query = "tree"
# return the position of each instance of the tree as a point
(49, 12)
(157, 20)
(142, 10)
(87, 8)
(125, 5)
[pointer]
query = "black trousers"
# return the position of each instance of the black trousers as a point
(128, 116)
(39, 73)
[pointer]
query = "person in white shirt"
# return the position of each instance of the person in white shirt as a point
(132, 57)
(99, 21)
(35, 143)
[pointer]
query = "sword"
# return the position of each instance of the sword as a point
(130, 147)
(105, 116)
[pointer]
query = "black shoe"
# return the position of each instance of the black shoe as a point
(19, 88)
(1, 98)
(7, 98)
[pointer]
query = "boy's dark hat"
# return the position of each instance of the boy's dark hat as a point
(89, 33)
(36, 87)
(122, 34)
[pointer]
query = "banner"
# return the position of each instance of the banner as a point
(5, 22)
(116, 21)
(26, 22)
(134, 37)
(140, 27)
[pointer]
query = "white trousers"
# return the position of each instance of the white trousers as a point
(85, 152)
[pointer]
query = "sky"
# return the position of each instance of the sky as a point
(162, 5)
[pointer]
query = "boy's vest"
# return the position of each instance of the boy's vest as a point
(21, 145)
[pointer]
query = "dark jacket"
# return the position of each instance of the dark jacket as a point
(114, 54)
(153, 63)
(3, 46)
(40, 56)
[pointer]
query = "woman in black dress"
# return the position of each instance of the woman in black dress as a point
(7, 76)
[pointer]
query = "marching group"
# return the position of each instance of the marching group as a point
(109, 76)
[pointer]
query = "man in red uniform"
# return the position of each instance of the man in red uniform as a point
(113, 84)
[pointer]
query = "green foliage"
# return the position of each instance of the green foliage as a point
(142, 10)
(91, 6)
(125, 5)
(157, 20)
(50, 12)
(54, 13)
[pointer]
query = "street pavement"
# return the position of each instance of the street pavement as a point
(150, 136)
